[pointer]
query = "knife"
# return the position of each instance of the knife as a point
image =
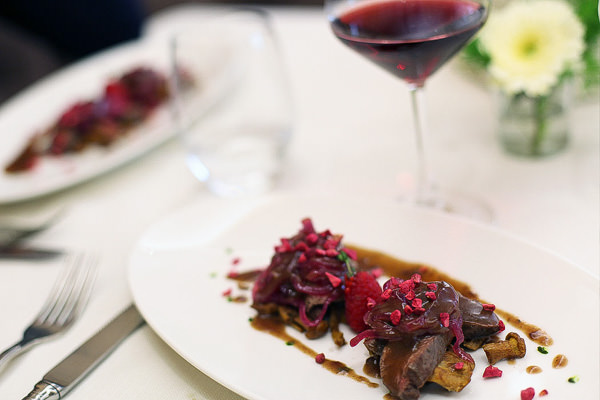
(69, 372)
(28, 254)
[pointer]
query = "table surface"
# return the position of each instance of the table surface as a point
(352, 121)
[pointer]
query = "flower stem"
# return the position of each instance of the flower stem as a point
(541, 124)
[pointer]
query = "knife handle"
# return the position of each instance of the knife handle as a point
(44, 390)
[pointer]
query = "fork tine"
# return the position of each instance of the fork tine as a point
(58, 288)
(69, 295)
(69, 286)
(79, 294)
(68, 290)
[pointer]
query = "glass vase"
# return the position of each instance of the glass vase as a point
(535, 126)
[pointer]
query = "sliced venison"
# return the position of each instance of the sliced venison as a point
(477, 321)
(406, 364)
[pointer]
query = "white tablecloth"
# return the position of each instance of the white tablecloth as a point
(353, 132)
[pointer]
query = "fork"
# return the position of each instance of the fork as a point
(64, 304)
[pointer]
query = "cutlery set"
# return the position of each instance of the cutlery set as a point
(65, 303)
(12, 238)
(70, 371)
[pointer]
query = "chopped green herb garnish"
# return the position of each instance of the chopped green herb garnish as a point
(290, 343)
(573, 379)
(343, 257)
(250, 319)
(542, 350)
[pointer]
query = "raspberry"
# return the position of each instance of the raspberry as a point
(527, 394)
(445, 319)
(396, 316)
(492, 372)
(359, 288)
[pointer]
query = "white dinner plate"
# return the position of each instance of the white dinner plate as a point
(178, 274)
(39, 106)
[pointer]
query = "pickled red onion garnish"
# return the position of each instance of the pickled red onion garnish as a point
(307, 272)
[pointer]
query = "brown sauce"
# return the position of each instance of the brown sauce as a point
(533, 369)
(239, 299)
(533, 332)
(392, 266)
(276, 328)
(248, 276)
(560, 361)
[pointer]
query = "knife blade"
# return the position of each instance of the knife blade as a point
(28, 253)
(61, 379)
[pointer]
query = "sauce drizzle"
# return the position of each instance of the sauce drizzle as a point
(392, 266)
(276, 328)
(560, 361)
(533, 369)
(533, 332)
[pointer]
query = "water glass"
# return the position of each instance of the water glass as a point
(231, 102)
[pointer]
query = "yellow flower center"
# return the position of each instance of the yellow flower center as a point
(531, 43)
(529, 47)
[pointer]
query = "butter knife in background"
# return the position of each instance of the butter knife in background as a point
(61, 379)
(28, 253)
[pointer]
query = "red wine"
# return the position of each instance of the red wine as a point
(410, 38)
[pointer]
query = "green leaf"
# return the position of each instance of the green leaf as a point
(474, 54)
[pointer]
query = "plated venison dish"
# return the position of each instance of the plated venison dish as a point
(419, 326)
(126, 102)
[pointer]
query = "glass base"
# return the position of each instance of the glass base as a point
(230, 179)
(461, 204)
(450, 201)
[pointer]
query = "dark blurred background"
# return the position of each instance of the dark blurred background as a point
(41, 36)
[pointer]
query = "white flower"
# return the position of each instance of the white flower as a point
(531, 43)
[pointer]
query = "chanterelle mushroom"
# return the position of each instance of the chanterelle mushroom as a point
(512, 347)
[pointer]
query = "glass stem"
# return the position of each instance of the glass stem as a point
(424, 184)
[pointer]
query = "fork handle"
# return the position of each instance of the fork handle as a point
(14, 350)
(43, 390)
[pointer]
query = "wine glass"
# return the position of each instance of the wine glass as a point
(222, 64)
(412, 39)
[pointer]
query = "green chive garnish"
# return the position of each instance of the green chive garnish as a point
(542, 350)
(290, 343)
(343, 257)
(573, 379)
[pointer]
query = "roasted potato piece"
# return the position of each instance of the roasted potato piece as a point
(474, 344)
(452, 373)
